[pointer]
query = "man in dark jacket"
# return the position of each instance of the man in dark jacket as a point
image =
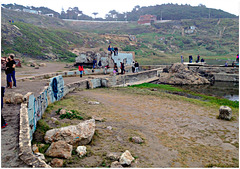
(136, 66)
(12, 65)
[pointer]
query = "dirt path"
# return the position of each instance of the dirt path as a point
(176, 133)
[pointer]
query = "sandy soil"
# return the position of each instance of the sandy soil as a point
(176, 133)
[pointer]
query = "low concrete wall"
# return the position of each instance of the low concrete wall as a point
(224, 77)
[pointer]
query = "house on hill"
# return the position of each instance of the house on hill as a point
(147, 19)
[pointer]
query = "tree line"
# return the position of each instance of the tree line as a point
(163, 12)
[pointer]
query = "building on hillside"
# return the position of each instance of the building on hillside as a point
(147, 19)
(32, 11)
(50, 15)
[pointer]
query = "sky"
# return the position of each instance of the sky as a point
(104, 6)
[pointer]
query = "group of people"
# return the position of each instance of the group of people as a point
(191, 59)
(113, 50)
(10, 71)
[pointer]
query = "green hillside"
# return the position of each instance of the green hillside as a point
(51, 38)
(178, 12)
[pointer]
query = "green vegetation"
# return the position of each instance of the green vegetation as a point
(161, 43)
(37, 42)
(210, 99)
(73, 115)
(44, 148)
(43, 126)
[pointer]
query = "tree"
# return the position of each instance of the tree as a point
(95, 13)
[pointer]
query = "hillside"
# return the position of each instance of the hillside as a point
(165, 11)
(51, 38)
(178, 12)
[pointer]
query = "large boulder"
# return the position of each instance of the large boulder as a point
(74, 134)
(126, 158)
(60, 149)
(180, 74)
(225, 113)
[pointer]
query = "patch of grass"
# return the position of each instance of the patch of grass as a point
(43, 126)
(73, 115)
(44, 148)
(57, 122)
(58, 111)
(210, 99)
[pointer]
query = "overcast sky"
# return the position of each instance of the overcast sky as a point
(104, 6)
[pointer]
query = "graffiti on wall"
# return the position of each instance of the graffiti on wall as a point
(37, 105)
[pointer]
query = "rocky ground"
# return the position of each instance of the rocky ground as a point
(176, 132)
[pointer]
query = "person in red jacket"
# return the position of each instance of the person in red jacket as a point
(81, 70)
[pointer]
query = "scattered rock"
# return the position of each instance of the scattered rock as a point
(57, 162)
(80, 134)
(33, 64)
(36, 67)
(113, 156)
(54, 119)
(119, 138)
(93, 102)
(81, 150)
(126, 158)
(116, 164)
(59, 149)
(42, 65)
(35, 148)
(225, 113)
(40, 156)
(153, 89)
(109, 127)
(62, 111)
(137, 140)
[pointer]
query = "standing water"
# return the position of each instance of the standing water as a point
(228, 90)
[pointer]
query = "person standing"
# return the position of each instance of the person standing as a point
(182, 59)
(8, 75)
(94, 63)
(115, 51)
(198, 59)
(190, 59)
(81, 70)
(133, 67)
(115, 68)
(12, 65)
(136, 66)
(109, 49)
(100, 64)
(122, 68)
(237, 58)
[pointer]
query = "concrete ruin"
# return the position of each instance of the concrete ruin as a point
(86, 59)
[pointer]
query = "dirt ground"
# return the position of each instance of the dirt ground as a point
(176, 133)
